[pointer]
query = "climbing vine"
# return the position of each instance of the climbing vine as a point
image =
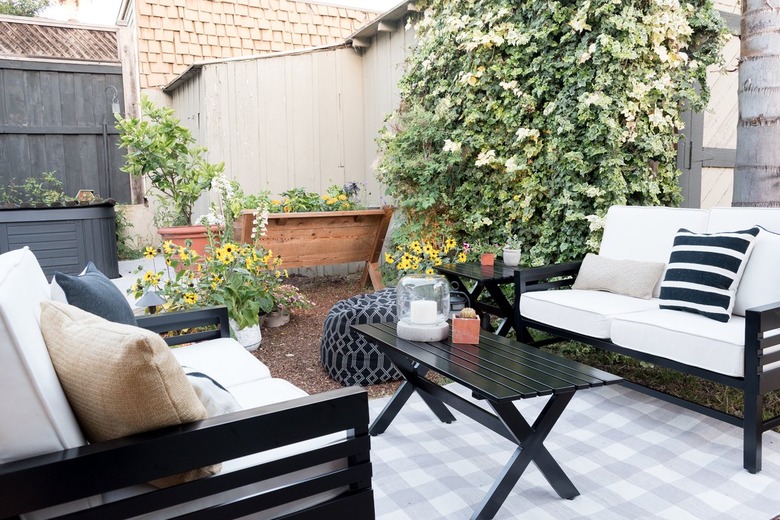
(531, 118)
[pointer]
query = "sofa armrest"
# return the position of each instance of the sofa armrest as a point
(761, 327)
(547, 277)
(98, 468)
(214, 319)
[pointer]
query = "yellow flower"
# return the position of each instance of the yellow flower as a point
(149, 252)
(276, 202)
(429, 270)
(330, 202)
(168, 247)
(437, 261)
(461, 257)
(229, 248)
(325, 197)
(148, 276)
(190, 298)
(184, 255)
(342, 197)
(286, 274)
(389, 258)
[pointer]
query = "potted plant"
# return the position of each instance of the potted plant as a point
(286, 297)
(465, 327)
(161, 149)
(486, 251)
(241, 277)
(511, 254)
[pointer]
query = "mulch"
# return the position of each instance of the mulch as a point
(292, 351)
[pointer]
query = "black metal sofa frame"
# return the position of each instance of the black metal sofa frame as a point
(756, 383)
(57, 478)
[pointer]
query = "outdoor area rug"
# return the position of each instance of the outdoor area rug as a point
(630, 456)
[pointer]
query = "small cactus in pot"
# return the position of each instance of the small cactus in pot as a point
(465, 327)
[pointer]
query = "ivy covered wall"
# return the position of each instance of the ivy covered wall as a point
(531, 118)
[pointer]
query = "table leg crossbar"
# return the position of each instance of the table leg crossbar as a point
(507, 421)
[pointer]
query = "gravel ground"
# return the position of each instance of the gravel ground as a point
(292, 351)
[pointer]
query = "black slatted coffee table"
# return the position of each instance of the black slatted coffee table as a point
(499, 371)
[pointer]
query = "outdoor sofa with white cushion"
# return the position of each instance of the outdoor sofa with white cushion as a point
(651, 294)
(67, 376)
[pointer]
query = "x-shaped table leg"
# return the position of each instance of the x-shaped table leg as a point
(530, 441)
(411, 373)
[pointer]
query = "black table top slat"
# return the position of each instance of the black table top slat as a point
(497, 368)
(476, 271)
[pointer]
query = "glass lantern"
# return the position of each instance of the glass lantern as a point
(423, 306)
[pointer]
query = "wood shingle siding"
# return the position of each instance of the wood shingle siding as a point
(173, 34)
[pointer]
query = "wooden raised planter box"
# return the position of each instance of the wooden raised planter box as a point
(323, 238)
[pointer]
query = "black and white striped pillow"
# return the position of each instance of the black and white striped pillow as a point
(704, 271)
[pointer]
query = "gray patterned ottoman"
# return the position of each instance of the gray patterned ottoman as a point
(347, 356)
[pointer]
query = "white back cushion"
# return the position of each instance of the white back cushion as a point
(760, 282)
(646, 233)
(35, 416)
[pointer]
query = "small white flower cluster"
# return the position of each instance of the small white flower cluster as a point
(452, 146)
(485, 158)
(260, 223)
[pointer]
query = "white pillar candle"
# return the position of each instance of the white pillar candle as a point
(423, 312)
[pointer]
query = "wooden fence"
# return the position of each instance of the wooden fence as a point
(59, 117)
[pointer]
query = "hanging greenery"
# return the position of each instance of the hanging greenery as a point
(531, 118)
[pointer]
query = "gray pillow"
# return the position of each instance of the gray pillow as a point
(94, 292)
(627, 277)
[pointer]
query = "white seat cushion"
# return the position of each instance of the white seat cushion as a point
(582, 311)
(266, 391)
(688, 338)
(224, 360)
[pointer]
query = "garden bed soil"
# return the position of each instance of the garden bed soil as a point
(292, 352)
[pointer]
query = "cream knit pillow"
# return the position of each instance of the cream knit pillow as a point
(627, 277)
(119, 379)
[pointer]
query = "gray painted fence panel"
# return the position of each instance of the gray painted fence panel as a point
(57, 117)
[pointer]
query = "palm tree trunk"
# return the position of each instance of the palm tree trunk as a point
(757, 169)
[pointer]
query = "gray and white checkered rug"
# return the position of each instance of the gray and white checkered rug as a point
(630, 456)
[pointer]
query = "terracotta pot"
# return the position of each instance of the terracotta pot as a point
(465, 330)
(276, 319)
(487, 258)
(180, 234)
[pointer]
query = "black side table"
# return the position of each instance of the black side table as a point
(487, 278)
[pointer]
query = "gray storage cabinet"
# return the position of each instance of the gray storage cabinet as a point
(64, 239)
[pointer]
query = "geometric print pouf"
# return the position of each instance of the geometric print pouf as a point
(346, 355)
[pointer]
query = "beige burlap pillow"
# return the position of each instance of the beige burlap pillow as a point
(627, 277)
(119, 379)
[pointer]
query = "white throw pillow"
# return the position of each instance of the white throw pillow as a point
(216, 399)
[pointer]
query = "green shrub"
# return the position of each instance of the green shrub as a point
(532, 118)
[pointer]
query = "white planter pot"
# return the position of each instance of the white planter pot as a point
(511, 257)
(276, 319)
(248, 337)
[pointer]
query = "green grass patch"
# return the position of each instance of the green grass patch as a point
(707, 393)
